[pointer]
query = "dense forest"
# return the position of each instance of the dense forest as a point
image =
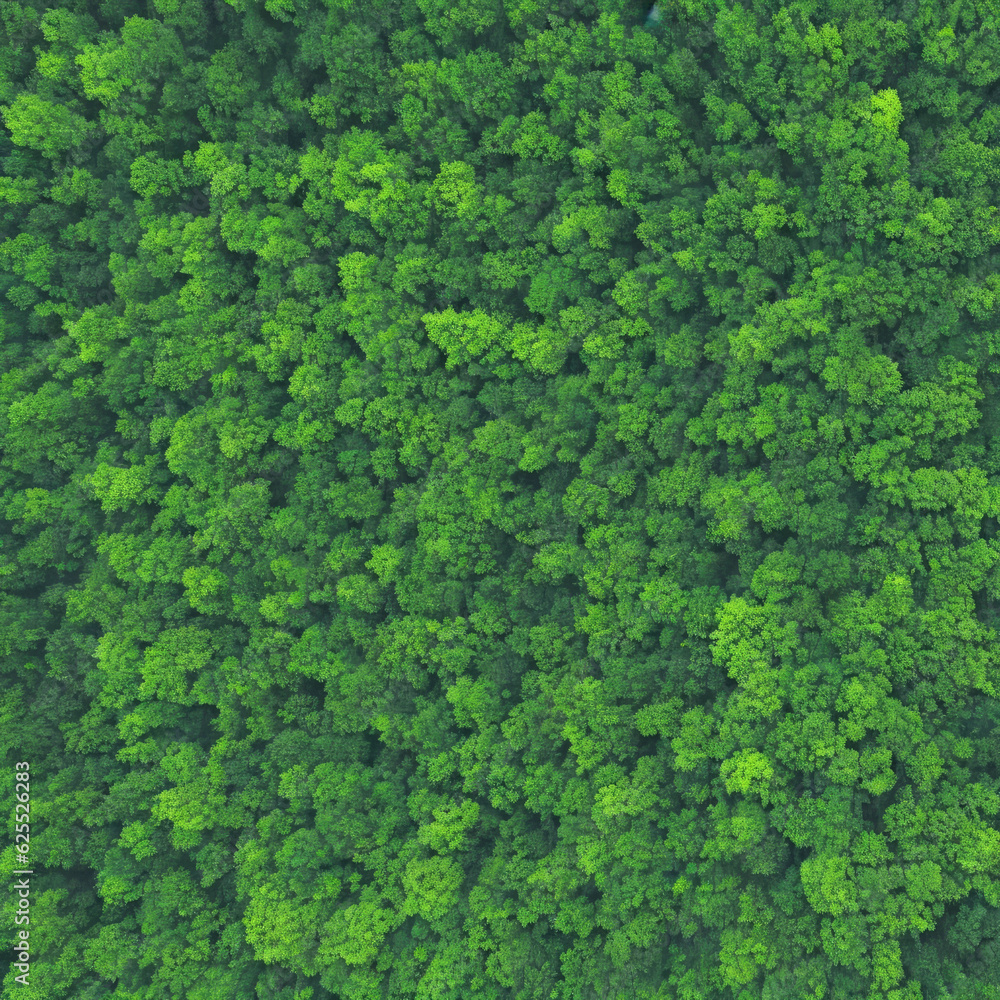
(499, 499)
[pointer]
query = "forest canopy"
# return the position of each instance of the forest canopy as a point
(499, 500)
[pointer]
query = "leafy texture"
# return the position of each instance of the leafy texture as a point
(501, 500)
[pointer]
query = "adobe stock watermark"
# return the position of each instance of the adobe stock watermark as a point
(320, 257)
(102, 296)
(22, 873)
(23, 34)
(199, 204)
(90, 145)
(308, 274)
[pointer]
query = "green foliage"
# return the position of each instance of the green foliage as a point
(500, 500)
